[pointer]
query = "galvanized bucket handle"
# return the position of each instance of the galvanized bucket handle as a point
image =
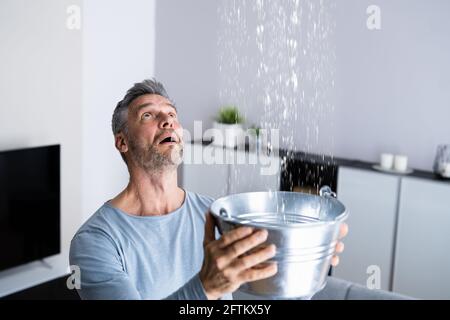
(326, 191)
(224, 213)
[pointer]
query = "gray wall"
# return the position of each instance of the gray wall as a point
(61, 86)
(391, 89)
(393, 84)
(186, 56)
(118, 50)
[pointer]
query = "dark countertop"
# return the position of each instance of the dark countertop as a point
(338, 162)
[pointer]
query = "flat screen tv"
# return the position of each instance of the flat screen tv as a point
(29, 205)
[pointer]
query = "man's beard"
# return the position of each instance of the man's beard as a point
(152, 160)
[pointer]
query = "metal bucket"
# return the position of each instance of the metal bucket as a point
(304, 228)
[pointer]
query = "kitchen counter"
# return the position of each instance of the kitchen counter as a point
(327, 160)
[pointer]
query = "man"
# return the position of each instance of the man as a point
(146, 243)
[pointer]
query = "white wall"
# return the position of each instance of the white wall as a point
(61, 86)
(118, 50)
(391, 93)
(40, 90)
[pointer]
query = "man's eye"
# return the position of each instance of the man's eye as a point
(173, 115)
(146, 115)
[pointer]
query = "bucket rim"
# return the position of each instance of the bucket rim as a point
(264, 225)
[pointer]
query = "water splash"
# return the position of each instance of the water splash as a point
(276, 62)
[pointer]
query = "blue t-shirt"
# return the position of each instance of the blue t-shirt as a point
(123, 256)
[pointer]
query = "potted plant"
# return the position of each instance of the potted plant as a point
(228, 127)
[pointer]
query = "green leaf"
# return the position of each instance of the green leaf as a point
(255, 130)
(229, 115)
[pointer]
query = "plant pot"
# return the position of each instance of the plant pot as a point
(228, 135)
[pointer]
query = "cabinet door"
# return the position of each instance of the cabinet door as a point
(422, 259)
(251, 172)
(201, 175)
(371, 200)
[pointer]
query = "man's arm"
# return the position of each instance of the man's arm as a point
(103, 276)
(101, 271)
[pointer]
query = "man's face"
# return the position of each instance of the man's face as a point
(154, 133)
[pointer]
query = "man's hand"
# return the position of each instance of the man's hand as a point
(227, 262)
(340, 245)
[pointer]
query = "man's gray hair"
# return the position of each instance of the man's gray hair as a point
(120, 115)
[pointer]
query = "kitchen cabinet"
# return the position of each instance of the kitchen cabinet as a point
(371, 200)
(240, 172)
(422, 261)
(255, 173)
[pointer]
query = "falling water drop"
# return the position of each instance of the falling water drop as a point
(275, 66)
(294, 18)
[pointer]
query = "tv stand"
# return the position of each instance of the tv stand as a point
(46, 264)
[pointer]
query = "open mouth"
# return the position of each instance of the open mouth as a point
(168, 140)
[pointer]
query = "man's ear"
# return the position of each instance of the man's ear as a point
(121, 142)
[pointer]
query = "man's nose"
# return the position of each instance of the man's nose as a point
(166, 121)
